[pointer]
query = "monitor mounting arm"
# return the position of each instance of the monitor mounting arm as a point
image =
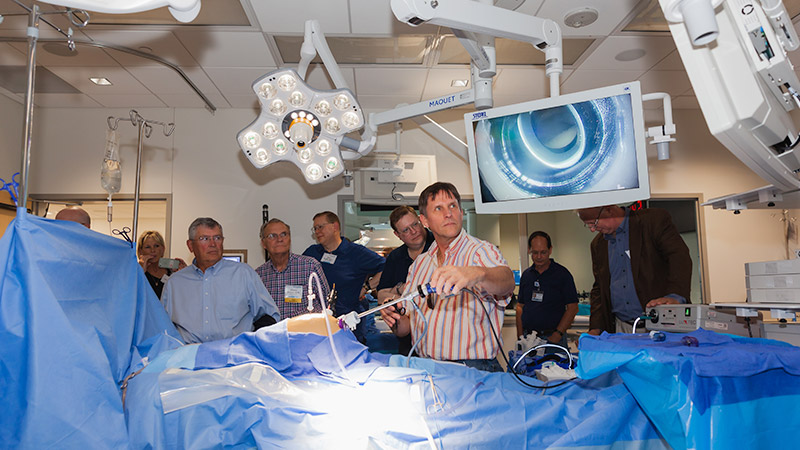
(476, 24)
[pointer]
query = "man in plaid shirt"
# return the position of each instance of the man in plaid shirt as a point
(285, 274)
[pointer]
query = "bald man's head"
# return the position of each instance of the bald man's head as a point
(75, 214)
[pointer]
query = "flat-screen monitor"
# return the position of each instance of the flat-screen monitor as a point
(558, 153)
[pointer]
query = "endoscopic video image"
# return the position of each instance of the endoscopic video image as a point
(571, 149)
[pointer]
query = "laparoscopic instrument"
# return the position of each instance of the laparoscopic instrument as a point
(351, 319)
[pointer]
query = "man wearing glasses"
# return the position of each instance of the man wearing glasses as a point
(346, 265)
(455, 326)
(285, 274)
(639, 260)
(416, 240)
(215, 298)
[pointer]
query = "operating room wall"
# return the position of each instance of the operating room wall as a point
(202, 167)
(699, 164)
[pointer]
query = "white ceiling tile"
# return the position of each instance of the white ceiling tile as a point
(604, 57)
(581, 80)
(318, 78)
(82, 56)
(390, 81)
(671, 62)
(290, 16)
(193, 100)
(685, 102)
(227, 48)
(672, 82)
(610, 14)
(530, 7)
(163, 44)
(122, 81)
(439, 81)
(524, 83)
(244, 101)
(65, 101)
(376, 17)
(128, 101)
(163, 80)
(380, 103)
(11, 56)
(236, 80)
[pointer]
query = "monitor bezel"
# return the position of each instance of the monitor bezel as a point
(567, 201)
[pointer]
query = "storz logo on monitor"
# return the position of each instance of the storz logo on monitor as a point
(478, 115)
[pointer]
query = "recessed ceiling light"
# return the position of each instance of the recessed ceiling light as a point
(459, 83)
(100, 81)
(630, 55)
(581, 17)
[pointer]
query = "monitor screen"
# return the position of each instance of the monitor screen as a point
(572, 151)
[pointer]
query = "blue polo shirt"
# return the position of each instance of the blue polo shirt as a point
(397, 263)
(559, 290)
(348, 271)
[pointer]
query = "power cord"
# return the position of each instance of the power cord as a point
(500, 346)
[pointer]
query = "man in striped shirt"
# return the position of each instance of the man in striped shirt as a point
(285, 274)
(459, 326)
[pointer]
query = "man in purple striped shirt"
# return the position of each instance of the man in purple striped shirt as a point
(285, 274)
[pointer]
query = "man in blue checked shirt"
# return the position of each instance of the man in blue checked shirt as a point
(285, 274)
(215, 298)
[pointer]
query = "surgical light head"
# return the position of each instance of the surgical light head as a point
(300, 124)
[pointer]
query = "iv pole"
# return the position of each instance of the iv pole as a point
(145, 129)
(34, 15)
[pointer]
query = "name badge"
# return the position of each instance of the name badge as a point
(293, 293)
(164, 278)
(329, 258)
(538, 293)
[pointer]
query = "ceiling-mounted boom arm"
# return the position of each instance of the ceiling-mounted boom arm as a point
(472, 16)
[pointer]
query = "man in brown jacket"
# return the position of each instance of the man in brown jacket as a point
(639, 260)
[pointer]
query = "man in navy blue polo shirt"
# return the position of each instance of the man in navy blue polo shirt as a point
(416, 240)
(548, 300)
(346, 265)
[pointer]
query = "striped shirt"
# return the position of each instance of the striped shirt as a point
(296, 273)
(458, 327)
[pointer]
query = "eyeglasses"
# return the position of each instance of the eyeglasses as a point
(319, 227)
(273, 236)
(593, 225)
(217, 239)
(414, 226)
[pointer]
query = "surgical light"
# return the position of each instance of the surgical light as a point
(252, 140)
(277, 107)
(300, 124)
(341, 101)
(297, 99)
(267, 90)
(332, 125)
(270, 130)
(313, 172)
(280, 147)
(323, 147)
(323, 108)
(287, 82)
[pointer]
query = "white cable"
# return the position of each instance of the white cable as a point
(635, 322)
(325, 312)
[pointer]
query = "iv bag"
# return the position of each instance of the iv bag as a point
(110, 173)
